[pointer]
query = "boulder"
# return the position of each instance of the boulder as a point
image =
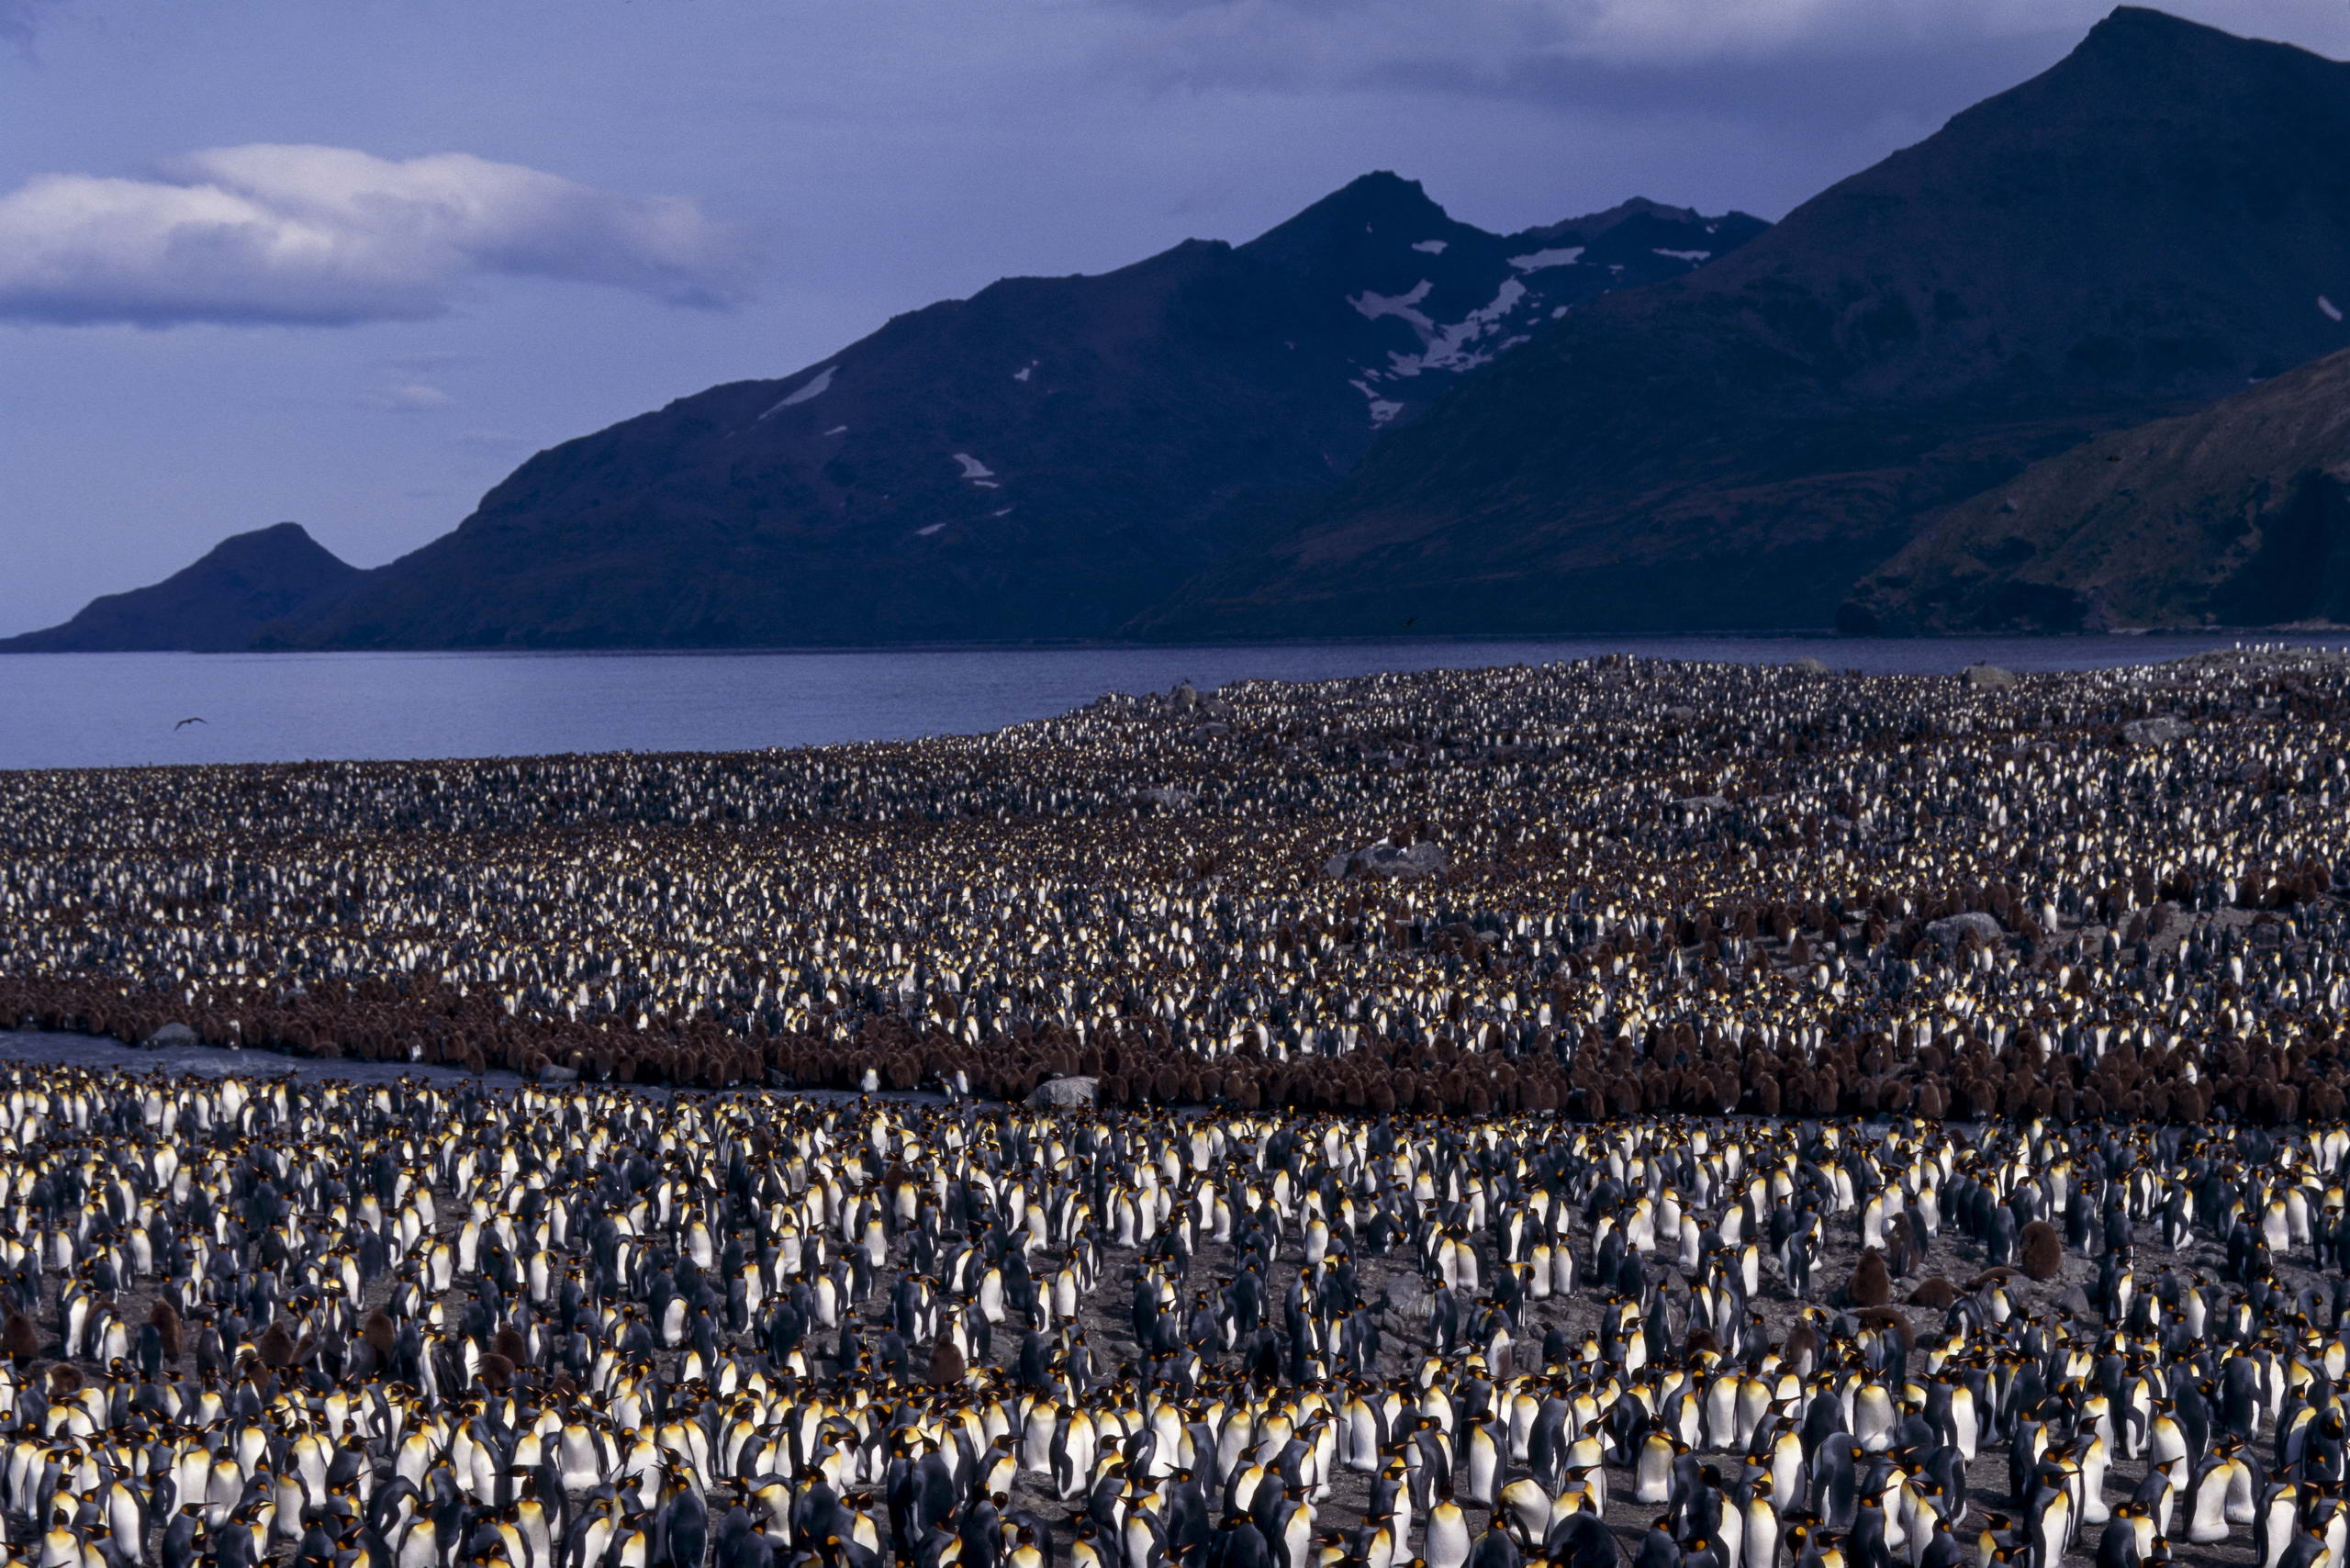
(1066, 1093)
(1383, 859)
(1807, 666)
(2161, 729)
(170, 1036)
(1953, 929)
(1166, 795)
(1704, 802)
(1989, 676)
(551, 1073)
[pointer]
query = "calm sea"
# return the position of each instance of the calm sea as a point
(114, 710)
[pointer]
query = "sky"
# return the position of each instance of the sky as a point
(349, 262)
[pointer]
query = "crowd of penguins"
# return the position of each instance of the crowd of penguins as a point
(1602, 887)
(1613, 1113)
(408, 1324)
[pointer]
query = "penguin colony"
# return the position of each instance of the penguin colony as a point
(1651, 887)
(395, 1327)
(1792, 1120)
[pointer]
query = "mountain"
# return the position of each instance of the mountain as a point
(2236, 514)
(2142, 228)
(213, 606)
(1042, 460)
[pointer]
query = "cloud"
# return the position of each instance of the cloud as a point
(1512, 45)
(328, 236)
(19, 19)
(407, 397)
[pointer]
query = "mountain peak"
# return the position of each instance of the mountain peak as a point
(1373, 205)
(218, 602)
(2136, 41)
(278, 537)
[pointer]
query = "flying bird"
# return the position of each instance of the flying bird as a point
(183, 723)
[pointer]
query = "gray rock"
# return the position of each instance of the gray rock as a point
(1807, 666)
(1166, 795)
(554, 1074)
(1989, 676)
(1383, 859)
(1185, 695)
(1704, 802)
(170, 1036)
(1066, 1093)
(1953, 929)
(2159, 730)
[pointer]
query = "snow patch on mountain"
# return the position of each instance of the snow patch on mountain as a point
(1405, 307)
(814, 387)
(1452, 348)
(1557, 256)
(1431, 247)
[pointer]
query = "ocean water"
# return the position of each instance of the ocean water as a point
(124, 709)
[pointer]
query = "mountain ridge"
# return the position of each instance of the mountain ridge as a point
(1035, 462)
(1736, 447)
(218, 603)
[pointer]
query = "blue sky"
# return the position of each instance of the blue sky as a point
(347, 262)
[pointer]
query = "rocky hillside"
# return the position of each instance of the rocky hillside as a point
(2236, 515)
(1040, 462)
(213, 606)
(2143, 228)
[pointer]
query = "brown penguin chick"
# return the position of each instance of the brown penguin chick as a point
(1935, 1291)
(946, 1363)
(1801, 1346)
(2043, 1250)
(275, 1347)
(166, 1319)
(1998, 1274)
(21, 1338)
(496, 1372)
(64, 1380)
(508, 1343)
(1872, 1282)
(378, 1335)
